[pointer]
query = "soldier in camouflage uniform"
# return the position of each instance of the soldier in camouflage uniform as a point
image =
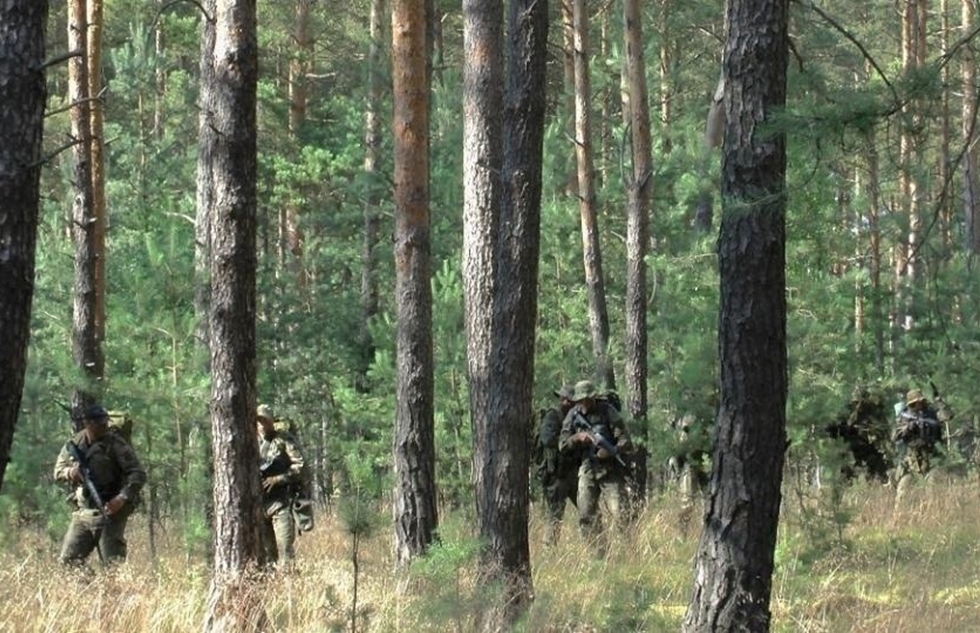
(557, 471)
(594, 431)
(282, 471)
(117, 476)
(863, 427)
(917, 435)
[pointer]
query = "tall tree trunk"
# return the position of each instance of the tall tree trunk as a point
(237, 492)
(877, 316)
(591, 250)
(568, 97)
(639, 187)
(94, 18)
(372, 204)
(23, 92)
(205, 194)
(291, 238)
(416, 516)
(87, 349)
(734, 563)
(666, 71)
(502, 172)
(971, 182)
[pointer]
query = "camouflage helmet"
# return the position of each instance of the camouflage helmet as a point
(264, 411)
(913, 396)
(584, 389)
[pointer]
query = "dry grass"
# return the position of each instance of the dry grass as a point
(913, 568)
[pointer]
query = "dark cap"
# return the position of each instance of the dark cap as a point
(95, 412)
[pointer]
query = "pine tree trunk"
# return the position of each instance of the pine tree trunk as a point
(592, 252)
(639, 188)
(87, 349)
(971, 182)
(237, 494)
(734, 563)
(23, 93)
(95, 12)
(205, 194)
(415, 513)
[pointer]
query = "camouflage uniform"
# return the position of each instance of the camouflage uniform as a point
(557, 471)
(115, 470)
(864, 429)
(282, 470)
(599, 473)
(918, 431)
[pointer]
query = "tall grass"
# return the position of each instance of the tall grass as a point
(864, 566)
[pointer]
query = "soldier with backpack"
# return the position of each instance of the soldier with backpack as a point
(557, 472)
(917, 435)
(106, 479)
(283, 471)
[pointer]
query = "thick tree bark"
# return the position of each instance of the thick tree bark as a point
(502, 170)
(23, 92)
(87, 349)
(734, 564)
(94, 19)
(232, 318)
(591, 250)
(416, 517)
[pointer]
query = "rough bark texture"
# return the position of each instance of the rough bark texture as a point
(591, 251)
(232, 317)
(734, 564)
(416, 518)
(639, 189)
(86, 321)
(205, 195)
(94, 18)
(23, 93)
(502, 168)
(971, 181)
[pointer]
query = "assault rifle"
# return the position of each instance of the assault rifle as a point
(580, 423)
(86, 473)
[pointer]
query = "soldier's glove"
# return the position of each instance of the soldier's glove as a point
(115, 504)
(271, 482)
(75, 474)
(602, 453)
(582, 438)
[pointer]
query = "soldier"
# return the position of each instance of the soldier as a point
(918, 431)
(556, 471)
(593, 431)
(282, 471)
(864, 429)
(107, 478)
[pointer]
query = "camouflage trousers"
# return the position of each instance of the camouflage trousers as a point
(593, 485)
(88, 530)
(556, 492)
(279, 532)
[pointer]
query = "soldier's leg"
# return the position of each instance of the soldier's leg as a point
(267, 541)
(80, 539)
(113, 542)
(554, 498)
(587, 501)
(285, 533)
(613, 497)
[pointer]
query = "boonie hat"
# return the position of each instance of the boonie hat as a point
(913, 396)
(583, 389)
(264, 411)
(565, 391)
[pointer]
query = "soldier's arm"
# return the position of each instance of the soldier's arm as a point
(134, 475)
(567, 431)
(620, 433)
(296, 460)
(63, 465)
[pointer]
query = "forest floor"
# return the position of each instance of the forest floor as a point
(846, 562)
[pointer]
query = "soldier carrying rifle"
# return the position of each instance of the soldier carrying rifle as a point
(917, 435)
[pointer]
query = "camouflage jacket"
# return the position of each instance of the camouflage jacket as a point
(605, 421)
(280, 455)
(550, 463)
(113, 466)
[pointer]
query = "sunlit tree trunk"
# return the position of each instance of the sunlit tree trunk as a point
(86, 226)
(666, 65)
(205, 194)
(735, 558)
(639, 187)
(877, 316)
(971, 182)
(415, 513)
(291, 236)
(237, 493)
(568, 97)
(23, 92)
(592, 252)
(372, 203)
(501, 215)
